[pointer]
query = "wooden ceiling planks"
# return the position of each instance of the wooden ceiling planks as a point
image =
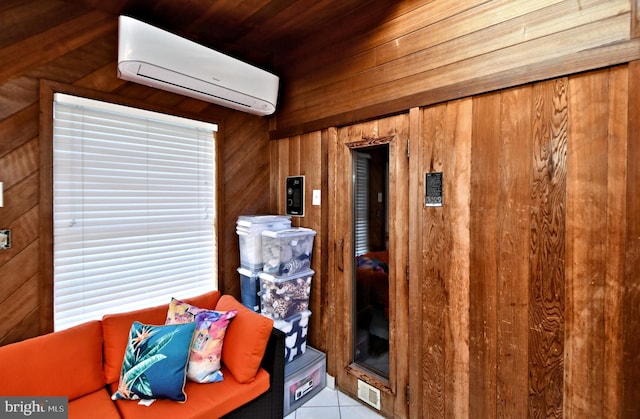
(252, 31)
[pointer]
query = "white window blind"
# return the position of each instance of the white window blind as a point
(134, 209)
(361, 202)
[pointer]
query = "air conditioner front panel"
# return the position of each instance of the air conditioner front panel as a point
(154, 57)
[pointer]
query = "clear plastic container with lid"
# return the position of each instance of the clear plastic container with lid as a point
(249, 229)
(283, 297)
(287, 252)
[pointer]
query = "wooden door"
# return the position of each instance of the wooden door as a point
(393, 131)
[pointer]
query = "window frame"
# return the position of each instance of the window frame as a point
(47, 91)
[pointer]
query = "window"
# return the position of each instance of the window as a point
(134, 209)
(361, 215)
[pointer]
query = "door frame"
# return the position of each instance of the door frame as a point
(393, 130)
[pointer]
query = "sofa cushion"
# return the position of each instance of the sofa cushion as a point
(204, 401)
(155, 362)
(71, 358)
(115, 328)
(94, 405)
(245, 341)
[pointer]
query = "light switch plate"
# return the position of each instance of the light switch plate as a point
(316, 197)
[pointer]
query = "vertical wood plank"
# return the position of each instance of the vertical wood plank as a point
(457, 180)
(292, 170)
(485, 165)
(311, 167)
(334, 251)
(512, 253)
(631, 314)
(586, 226)
(415, 223)
(398, 289)
(327, 140)
(343, 254)
(635, 18)
(615, 234)
(434, 259)
(547, 249)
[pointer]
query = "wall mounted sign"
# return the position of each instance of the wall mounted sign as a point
(433, 196)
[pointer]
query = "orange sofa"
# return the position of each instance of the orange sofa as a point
(84, 362)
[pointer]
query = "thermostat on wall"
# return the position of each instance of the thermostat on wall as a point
(433, 195)
(295, 196)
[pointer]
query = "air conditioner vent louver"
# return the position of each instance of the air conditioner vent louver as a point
(156, 58)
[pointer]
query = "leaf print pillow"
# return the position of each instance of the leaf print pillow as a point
(155, 361)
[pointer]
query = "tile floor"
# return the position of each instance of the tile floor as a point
(333, 404)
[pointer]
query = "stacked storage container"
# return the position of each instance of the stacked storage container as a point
(285, 284)
(249, 229)
(304, 378)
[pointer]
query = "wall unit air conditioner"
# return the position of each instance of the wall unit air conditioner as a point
(156, 58)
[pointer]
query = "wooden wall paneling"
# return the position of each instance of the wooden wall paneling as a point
(341, 220)
(246, 187)
(310, 165)
(23, 19)
(434, 262)
(416, 78)
(18, 128)
(428, 37)
(281, 171)
(416, 265)
(294, 169)
(19, 266)
(512, 252)
(324, 326)
(635, 18)
(631, 304)
(51, 43)
(299, 156)
(102, 79)
(586, 251)
(378, 45)
(457, 179)
(618, 111)
(335, 253)
(81, 62)
(398, 126)
(529, 42)
(547, 254)
(20, 93)
(485, 164)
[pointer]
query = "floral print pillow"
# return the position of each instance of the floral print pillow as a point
(206, 350)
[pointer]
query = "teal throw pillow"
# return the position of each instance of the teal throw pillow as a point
(155, 362)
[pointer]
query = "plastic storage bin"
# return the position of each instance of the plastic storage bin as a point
(287, 252)
(281, 298)
(304, 378)
(249, 229)
(296, 328)
(250, 289)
